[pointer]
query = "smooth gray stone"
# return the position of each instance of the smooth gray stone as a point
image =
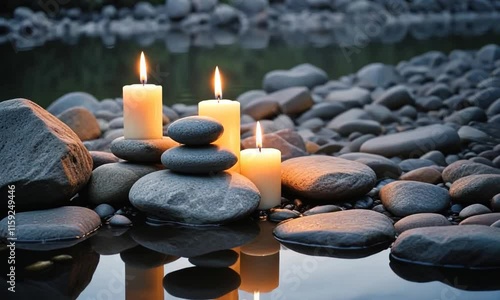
(201, 283)
(190, 241)
(74, 99)
(294, 100)
(436, 156)
(383, 167)
(425, 174)
(475, 189)
(273, 140)
(484, 98)
(325, 111)
(198, 160)
(348, 116)
(248, 96)
(377, 75)
(495, 203)
(471, 246)
(141, 151)
(350, 229)
(404, 198)
(279, 215)
(195, 199)
(361, 126)
(350, 98)
(217, 259)
(414, 142)
(322, 209)
(396, 97)
(82, 122)
(41, 156)
(262, 108)
(100, 158)
(419, 221)
(52, 225)
(326, 179)
(195, 130)
(467, 115)
(178, 9)
(469, 134)
(463, 168)
(120, 221)
(104, 210)
(111, 183)
(411, 164)
(473, 210)
(483, 219)
(301, 75)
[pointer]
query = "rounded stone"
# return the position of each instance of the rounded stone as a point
(473, 210)
(383, 167)
(100, 158)
(495, 203)
(420, 220)
(104, 210)
(483, 219)
(217, 259)
(279, 215)
(475, 189)
(411, 164)
(325, 178)
(404, 198)
(120, 221)
(198, 160)
(141, 151)
(195, 130)
(351, 229)
(203, 199)
(425, 174)
(322, 209)
(472, 246)
(463, 168)
(82, 122)
(74, 99)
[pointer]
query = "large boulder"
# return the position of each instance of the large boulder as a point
(41, 157)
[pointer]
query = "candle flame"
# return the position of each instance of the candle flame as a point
(217, 84)
(256, 295)
(143, 72)
(258, 136)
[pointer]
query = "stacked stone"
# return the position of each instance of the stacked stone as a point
(196, 188)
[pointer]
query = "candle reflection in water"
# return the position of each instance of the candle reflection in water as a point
(260, 262)
(143, 283)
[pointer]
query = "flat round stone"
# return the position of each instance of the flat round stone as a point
(195, 130)
(420, 220)
(141, 151)
(198, 160)
(350, 229)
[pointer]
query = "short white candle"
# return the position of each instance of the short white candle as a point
(263, 167)
(142, 108)
(227, 112)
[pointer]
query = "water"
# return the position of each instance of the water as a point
(43, 74)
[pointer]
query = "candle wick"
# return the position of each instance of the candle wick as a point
(218, 98)
(143, 82)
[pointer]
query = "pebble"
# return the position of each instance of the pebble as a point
(361, 126)
(100, 158)
(475, 189)
(473, 210)
(301, 75)
(463, 168)
(411, 164)
(278, 215)
(195, 130)
(403, 198)
(198, 160)
(482, 219)
(420, 220)
(377, 75)
(74, 99)
(364, 202)
(82, 122)
(141, 151)
(104, 210)
(323, 178)
(425, 174)
(396, 97)
(119, 221)
(495, 203)
(321, 209)
(383, 167)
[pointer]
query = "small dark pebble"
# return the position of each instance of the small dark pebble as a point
(104, 210)
(322, 209)
(365, 202)
(495, 203)
(119, 220)
(379, 208)
(456, 208)
(279, 215)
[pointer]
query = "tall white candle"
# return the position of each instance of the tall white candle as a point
(227, 112)
(263, 167)
(142, 108)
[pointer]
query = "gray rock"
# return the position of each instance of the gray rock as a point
(436, 156)
(301, 75)
(294, 100)
(419, 221)
(495, 203)
(380, 113)
(488, 54)
(450, 246)
(324, 111)
(52, 225)
(100, 158)
(198, 160)
(348, 116)
(104, 210)
(262, 108)
(483, 219)
(469, 134)
(180, 198)
(248, 96)
(116, 123)
(383, 167)
(484, 98)
(473, 210)
(351, 97)
(377, 75)
(74, 99)
(395, 97)
(251, 7)
(351, 229)
(463, 168)
(425, 174)
(361, 126)
(467, 115)
(414, 142)
(178, 9)
(111, 183)
(365, 202)
(141, 151)
(404, 198)
(204, 5)
(195, 130)
(120, 221)
(82, 122)
(278, 215)
(323, 178)
(475, 189)
(322, 209)
(496, 224)
(217, 259)
(411, 164)
(429, 103)
(273, 140)
(41, 156)
(224, 15)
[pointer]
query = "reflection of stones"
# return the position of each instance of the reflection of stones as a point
(64, 280)
(144, 258)
(255, 39)
(463, 279)
(110, 241)
(177, 42)
(216, 259)
(188, 241)
(201, 283)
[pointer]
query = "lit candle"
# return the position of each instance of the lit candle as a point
(142, 108)
(263, 167)
(227, 112)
